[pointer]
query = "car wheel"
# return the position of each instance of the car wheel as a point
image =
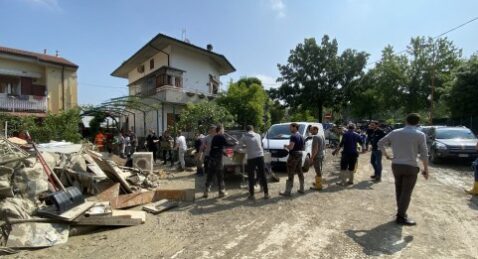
(306, 166)
(434, 158)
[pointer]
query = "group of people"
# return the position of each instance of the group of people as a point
(124, 143)
(165, 145)
(407, 144)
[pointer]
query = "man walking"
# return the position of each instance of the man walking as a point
(349, 158)
(318, 154)
(255, 160)
(376, 158)
(181, 146)
(406, 144)
(294, 161)
(215, 162)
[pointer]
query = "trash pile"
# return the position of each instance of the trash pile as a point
(50, 191)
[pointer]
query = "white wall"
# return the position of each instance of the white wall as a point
(197, 67)
(160, 59)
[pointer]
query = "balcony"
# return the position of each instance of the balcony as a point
(25, 103)
(172, 94)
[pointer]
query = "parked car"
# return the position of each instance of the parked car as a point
(278, 135)
(450, 142)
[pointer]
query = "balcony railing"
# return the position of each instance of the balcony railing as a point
(14, 104)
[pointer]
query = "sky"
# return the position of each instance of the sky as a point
(255, 35)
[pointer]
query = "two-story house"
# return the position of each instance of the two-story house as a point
(171, 73)
(35, 84)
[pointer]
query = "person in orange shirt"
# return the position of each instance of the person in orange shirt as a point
(100, 141)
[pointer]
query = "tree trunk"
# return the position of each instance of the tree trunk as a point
(320, 112)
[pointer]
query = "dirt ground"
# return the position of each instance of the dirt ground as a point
(352, 222)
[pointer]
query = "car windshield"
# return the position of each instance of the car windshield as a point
(282, 131)
(454, 134)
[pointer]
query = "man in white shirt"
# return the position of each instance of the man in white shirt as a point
(182, 147)
(407, 144)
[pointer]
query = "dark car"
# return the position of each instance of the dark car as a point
(450, 142)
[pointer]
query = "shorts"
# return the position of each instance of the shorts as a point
(348, 161)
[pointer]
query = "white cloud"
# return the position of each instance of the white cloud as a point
(267, 81)
(278, 6)
(50, 4)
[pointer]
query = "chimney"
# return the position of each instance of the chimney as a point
(209, 47)
(56, 53)
(44, 51)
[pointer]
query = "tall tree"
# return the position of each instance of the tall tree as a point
(432, 62)
(198, 117)
(316, 76)
(464, 89)
(246, 100)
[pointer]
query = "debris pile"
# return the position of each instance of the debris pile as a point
(48, 190)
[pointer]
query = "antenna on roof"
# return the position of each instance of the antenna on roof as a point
(183, 36)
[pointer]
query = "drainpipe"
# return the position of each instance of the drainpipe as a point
(63, 85)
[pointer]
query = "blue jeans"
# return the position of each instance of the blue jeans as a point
(376, 161)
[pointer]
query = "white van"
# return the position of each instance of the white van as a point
(278, 135)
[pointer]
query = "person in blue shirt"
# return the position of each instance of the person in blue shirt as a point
(350, 155)
(294, 161)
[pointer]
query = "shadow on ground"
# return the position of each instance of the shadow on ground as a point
(385, 239)
(473, 203)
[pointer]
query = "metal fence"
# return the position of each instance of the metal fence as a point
(469, 122)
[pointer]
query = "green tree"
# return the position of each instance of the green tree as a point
(316, 76)
(277, 111)
(198, 117)
(432, 62)
(462, 96)
(246, 100)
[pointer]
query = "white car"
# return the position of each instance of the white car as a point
(278, 135)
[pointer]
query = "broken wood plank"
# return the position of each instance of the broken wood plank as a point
(108, 221)
(96, 170)
(160, 206)
(140, 198)
(68, 215)
(109, 170)
(110, 193)
(134, 214)
(36, 235)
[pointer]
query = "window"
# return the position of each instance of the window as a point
(27, 86)
(170, 80)
(178, 82)
(140, 69)
(151, 63)
(215, 88)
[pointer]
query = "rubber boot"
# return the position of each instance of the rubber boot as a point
(474, 190)
(351, 178)
(301, 186)
(206, 192)
(343, 178)
(318, 184)
(288, 188)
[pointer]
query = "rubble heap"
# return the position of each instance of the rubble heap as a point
(29, 219)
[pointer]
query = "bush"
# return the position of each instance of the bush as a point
(58, 127)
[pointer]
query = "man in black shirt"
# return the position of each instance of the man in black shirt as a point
(215, 162)
(376, 158)
(294, 161)
(151, 143)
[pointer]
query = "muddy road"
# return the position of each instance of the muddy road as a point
(338, 222)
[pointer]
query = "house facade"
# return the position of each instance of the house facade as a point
(35, 84)
(165, 75)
